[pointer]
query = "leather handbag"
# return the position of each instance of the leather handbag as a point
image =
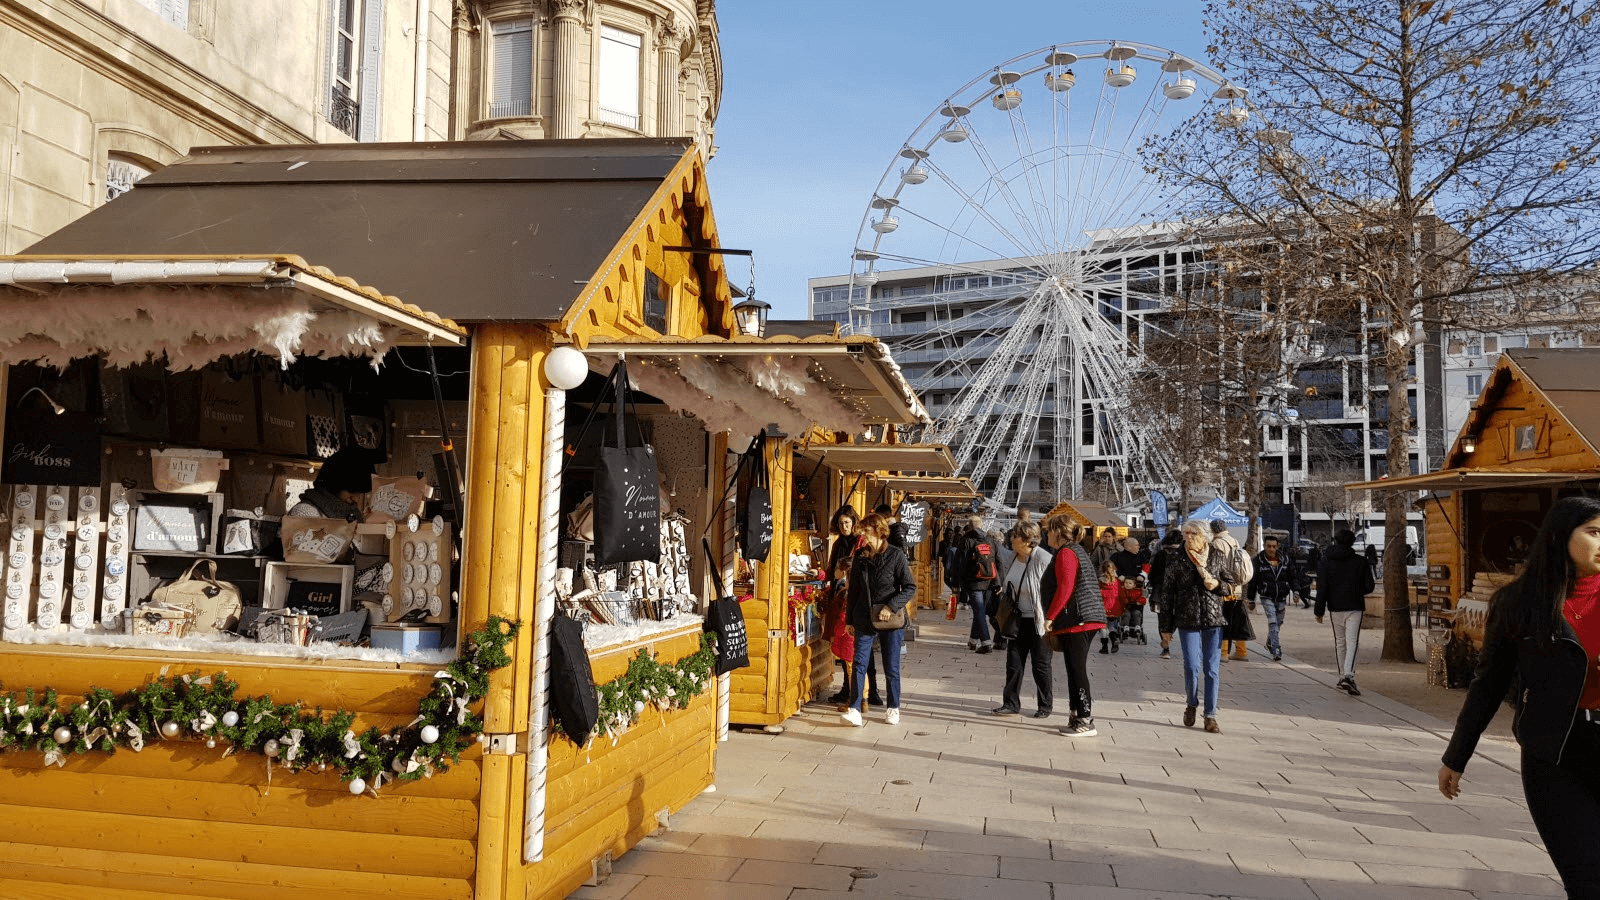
(887, 618)
(215, 605)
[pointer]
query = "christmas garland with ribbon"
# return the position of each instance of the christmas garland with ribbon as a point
(206, 708)
(648, 682)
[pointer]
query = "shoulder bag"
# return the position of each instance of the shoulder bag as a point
(627, 488)
(725, 621)
(214, 605)
(574, 702)
(755, 515)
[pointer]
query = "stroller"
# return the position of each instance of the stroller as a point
(1133, 603)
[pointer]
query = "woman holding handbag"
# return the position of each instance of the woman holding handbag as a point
(836, 616)
(1023, 622)
(880, 588)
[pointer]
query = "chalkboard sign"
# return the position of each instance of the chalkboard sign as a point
(319, 598)
(43, 448)
(914, 521)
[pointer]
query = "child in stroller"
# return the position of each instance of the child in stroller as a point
(1131, 568)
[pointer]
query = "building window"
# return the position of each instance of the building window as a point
(511, 93)
(121, 175)
(174, 11)
(655, 302)
(914, 316)
(1474, 384)
(355, 48)
(619, 77)
(1491, 345)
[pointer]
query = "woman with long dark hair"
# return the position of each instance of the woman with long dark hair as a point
(1544, 629)
(836, 625)
(880, 588)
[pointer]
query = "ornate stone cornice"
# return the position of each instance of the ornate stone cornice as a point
(572, 9)
(672, 33)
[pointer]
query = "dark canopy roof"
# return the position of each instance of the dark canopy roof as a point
(472, 231)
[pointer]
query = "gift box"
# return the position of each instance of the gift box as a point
(156, 619)
(186, 471)
(407, 638)
(251, 533)
(175, 522)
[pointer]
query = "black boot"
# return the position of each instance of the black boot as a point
(1105, 645)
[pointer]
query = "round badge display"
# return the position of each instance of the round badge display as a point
(18, 560)
(410, 551)
(115, 566)
(388, 572)
(47, 589)
(115, 534)
(88, 503)
(24, 500)
(435, 605)
(388, 605)
(80, 619)
(433, 553)
(119, 508)
(83, 590)
(83, 562)
(413, 523)
(409, 573)
(438, 524)
(13, 620)
(86, 532)
(21, 531)
(14, 591)
(51, 557)
(54, 531)
(435, 574)
(113, 592)
(56, 501)
(388, 530)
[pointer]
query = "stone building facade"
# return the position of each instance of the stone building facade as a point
(95, 94)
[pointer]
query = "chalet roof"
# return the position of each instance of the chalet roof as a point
(472, 231)
(1566, 377)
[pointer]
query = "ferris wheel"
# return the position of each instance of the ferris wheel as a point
(1022, 231)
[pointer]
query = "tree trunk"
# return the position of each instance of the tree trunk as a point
(1396, 588)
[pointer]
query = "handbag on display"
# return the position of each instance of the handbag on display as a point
(627, 487)
(215, 605)
(725, 620)
(573, 699)
(755, 514)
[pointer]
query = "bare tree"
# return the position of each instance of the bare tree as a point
(1414, 153)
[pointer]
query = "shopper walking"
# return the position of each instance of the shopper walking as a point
(1237, 629)
(1278, 578)
(1193, 580)
(1076, 613)
(977, 562)
(836, 621)
(1543, 632)
(1158, 563)
(881, 587)
(1023, 622)
(1343, 583)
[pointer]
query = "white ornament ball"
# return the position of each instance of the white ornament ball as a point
(270, 748)
(358, 786)
(211, 742)
(63, 735)
(169, 729)
(430, 734)
(230, 718)
(566, 367)
(483, 738)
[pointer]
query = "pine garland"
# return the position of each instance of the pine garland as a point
(190, 708)
(651, 683)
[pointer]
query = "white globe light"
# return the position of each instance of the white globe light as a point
(63, 735)
(169, 729)
(430, 734)
(230, 718)
(358, 785)
(566, 367)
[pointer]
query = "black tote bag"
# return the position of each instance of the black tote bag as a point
(726, 622)
(755, 516)
(627, 489)
(574, 702)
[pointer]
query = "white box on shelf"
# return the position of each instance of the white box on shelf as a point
(317, 589)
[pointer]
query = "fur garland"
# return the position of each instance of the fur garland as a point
(190, 326)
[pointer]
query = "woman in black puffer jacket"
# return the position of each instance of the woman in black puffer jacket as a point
(879, 574)
(1076, 612)
(1193, 581)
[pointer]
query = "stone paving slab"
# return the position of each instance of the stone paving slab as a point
(1307, 794)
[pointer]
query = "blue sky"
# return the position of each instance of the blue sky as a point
(820, 94)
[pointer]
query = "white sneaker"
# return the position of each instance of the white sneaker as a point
(852, 717)
(891, 716)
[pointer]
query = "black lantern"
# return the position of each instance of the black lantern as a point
(750, 315)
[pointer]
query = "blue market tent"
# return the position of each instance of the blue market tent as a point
(1219, 509)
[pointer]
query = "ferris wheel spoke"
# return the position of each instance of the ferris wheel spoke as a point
(1002, 185)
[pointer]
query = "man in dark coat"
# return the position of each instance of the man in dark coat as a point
(1277, 578)
(1343, 583)
(976, 592)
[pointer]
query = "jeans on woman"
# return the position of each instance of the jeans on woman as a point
(1346, 638)
(890, 643)
(1075, 659)
(1564, 801)
(1202, 647)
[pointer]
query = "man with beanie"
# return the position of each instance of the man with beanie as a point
(1343, 582)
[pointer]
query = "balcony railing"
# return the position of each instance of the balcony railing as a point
(613, 117)
(344, 112)
(500, 109)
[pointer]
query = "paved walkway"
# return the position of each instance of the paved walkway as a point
(1307, 793)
